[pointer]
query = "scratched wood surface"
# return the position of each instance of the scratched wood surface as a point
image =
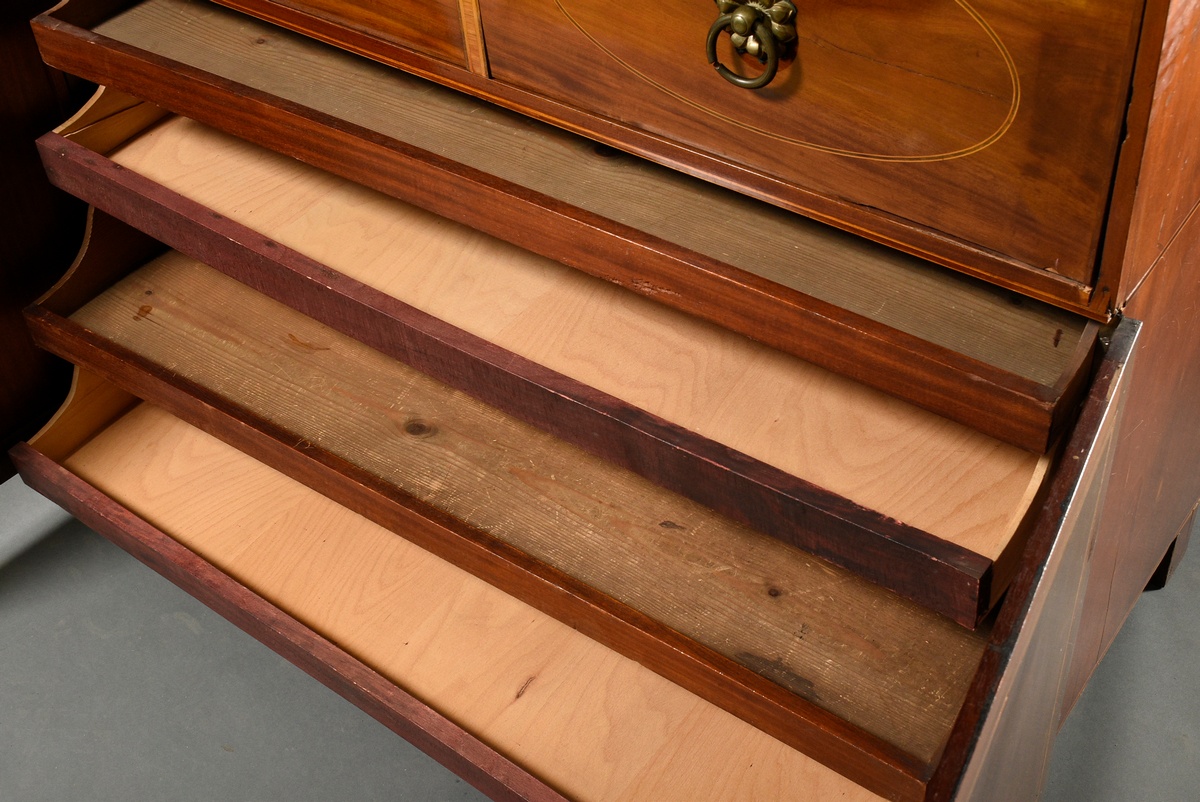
(888, 456)
(591, 723)
(783, 614)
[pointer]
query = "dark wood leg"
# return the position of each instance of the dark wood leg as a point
(1174, 555)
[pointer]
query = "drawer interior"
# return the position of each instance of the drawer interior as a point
(420, 636)
(943, 496)
(872, 672)
(1010, 367)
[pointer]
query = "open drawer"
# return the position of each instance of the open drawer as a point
(526, 707)
(1011, 367)
(929, 508)
(522, 706)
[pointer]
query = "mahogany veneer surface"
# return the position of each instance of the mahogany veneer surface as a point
(935, 126)
(434, 27)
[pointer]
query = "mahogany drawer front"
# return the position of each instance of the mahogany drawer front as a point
(432, 28)
(987, 129)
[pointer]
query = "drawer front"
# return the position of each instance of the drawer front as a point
(983, 133)
(432, 28)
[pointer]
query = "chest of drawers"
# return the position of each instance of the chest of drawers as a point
(634, 400)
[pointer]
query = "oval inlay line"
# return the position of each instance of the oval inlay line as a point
(983, 144)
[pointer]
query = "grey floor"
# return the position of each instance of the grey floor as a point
(114, 685)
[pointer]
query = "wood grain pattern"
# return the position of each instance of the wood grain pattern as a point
(940, 575)
(91, 404)
(1169, 182)
(774, 710)
(861, 84)
(901, 292)
(431, 27)
(798, 305)
(699, 377)
(473, 42)
(491, 665)
(747, 597)
(1155, 487)
(108, 119)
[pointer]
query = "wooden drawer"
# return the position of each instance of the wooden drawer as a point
(945, 134)
(1005, 365)
(652, 575)
(982, 134)
(990, 138)
(295, 352)
(520, 705)
(783, 673)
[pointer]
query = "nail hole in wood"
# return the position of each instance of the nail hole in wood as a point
(419, 428)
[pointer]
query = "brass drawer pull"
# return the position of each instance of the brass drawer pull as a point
(756, 28)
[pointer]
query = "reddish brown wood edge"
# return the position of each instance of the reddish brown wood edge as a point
(437, 736)
(1001, 404)
(937, 574)
(860, 756)
(1015, 608)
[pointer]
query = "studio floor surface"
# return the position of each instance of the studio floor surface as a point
(115, 686)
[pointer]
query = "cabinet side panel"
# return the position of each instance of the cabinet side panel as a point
(1169, 181)
(1011, 759)
(1155, 483)
(1001, 742)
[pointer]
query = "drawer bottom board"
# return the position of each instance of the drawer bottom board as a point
(444, 658)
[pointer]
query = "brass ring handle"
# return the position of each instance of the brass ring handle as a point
(755, 28)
